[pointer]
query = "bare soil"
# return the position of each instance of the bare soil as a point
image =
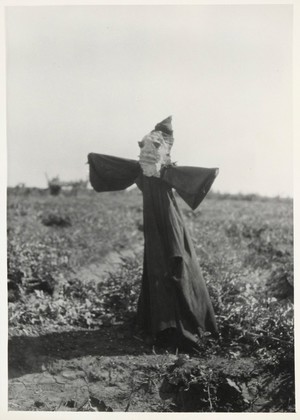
(109, 369)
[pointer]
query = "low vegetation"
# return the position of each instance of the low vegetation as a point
(245, 249)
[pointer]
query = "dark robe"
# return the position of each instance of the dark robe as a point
(173, 292)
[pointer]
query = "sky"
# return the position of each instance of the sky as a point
(86, 79)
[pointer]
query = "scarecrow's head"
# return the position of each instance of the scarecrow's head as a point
(156, 147)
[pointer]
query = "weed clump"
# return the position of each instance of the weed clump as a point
(56, 219)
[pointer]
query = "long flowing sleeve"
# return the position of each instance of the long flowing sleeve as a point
(110, 173)
(191, 183)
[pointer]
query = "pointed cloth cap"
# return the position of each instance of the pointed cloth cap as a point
(165, 126)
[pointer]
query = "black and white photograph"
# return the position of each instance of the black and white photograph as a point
(150, 208)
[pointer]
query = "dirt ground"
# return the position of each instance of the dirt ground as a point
(108, 369)
(60, 371)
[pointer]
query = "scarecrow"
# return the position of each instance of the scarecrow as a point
(174, 301)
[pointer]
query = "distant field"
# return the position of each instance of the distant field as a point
(74, 267)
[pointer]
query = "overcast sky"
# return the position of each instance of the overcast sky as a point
(86, 79)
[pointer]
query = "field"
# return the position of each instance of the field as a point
(74, 270)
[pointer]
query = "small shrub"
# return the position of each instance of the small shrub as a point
(55, 219)
(54, 186)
